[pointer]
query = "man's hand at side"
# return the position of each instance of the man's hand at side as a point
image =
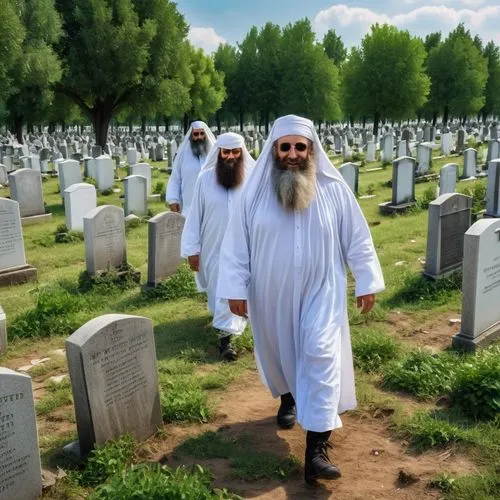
(238, 307)
(194, 262)
(366, 302)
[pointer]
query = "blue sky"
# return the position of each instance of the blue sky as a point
(216, 21)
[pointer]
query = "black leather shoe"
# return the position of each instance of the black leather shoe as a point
(226, 350)
(318, 465)
(287, 412)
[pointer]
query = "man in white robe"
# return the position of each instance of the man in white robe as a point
(285, 254)
(191, 156)
(216, 193)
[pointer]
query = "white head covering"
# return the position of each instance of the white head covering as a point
(179, 157)
(229, 140)
(288, 125)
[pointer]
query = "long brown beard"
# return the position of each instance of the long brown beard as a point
(230, 174)
(295, 187)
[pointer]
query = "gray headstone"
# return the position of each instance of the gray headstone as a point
(96, 151)
(470, 162)
(26, 188)
(446, 143)
(79, 200)
(448, 178)
(4, 175)
(3, 337)
(493, 150)
(370, 151)
(387, 148)
(112, 366)
(403, 180)
(136, 195)
(69, 174)
(143, 169)
(493, 189)
(424, 158)
(350, 173)
(8, 161)
(132, 156)
(164, 245)
(460, 140)
(20, 473)
(104, 234)
(11, 235)
(449, 219)
(480, 285)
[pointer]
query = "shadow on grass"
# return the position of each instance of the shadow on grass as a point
(423, 292)
(55, 209)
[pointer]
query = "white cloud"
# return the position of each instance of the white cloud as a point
(466, 3)
(205, 38)
(352, 23)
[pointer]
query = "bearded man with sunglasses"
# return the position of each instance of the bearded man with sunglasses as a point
(283, 262)
(216, 193)
(191, 155)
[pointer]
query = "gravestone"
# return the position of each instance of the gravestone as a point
(3, 334)
(112, 366)
(424, 158)
(370, 151)
(8, 161)
(350, 173)
(427, 133)
(460, 140)
(493, 189)
(493, 150)
(136, 195)
(35, 163)
(449, 218)
(104, 173)
(64, 151)
(143, 169)
(446, 143)
(20, 472)
(104, 235)
(387, 148)
(79, 200)
(96, 151)
(448, 178)
(403, 186)
(69, 174)
(480, 286)
(4, 175)
(494, 130)
(403, 148)
(26, 188)
(159, 153)
(25, 161)
(89, 167)
(470, 162)
(132, 156)
(164, 245)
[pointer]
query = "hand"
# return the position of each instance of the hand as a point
(238, 307)
(366, 302)
(194, 262)
(175, 207)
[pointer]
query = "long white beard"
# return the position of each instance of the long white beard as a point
(295, 187)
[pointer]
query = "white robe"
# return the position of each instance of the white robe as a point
(180, 187)
(204, 229)
(290, 266)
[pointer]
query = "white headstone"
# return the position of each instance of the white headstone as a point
(350, 173)
(470, 162)
(26, 188)
(35, 162)
(69, 174)
(370, 151)
(448, 178)
(424, 158)
(104, 173)
(136, 195)
(493, 189)
(388, 148)
(143, 169)
(112, 366)
(4, 175)
(132, 156)
(79, 200)
(403, 182)
(20, 472)
(3, 335)
(446, 143)
(11, 235)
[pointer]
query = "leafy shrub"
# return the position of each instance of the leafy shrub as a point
(179, 285)
(421, 373)
(476, 390)
(428, 195)
(182, 402)
(477, 191)
(159, 187)
(64, 235)
(106, 281)
(372, 350)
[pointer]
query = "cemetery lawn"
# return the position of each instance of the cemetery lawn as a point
(413, 435)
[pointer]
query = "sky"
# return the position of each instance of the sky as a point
(219, 21)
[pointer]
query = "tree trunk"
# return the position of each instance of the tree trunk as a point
(143, 125)
(241, 119)
(364, 121)
(319, 127)
(18, 128)
(166, 121)
(267, 123)
(446, 114)
(217, 120)
(376, 119)
(63, 126)
(100, 121)
(186, 123)
(130, 127)
(351, 120)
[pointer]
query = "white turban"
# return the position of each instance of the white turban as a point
(292, 125)
(185, 141)
(198, 124)
(229, 140)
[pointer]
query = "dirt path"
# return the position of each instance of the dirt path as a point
(369, 460)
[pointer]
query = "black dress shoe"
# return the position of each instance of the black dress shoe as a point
(318, 464)
(287, 412)
(226, 350)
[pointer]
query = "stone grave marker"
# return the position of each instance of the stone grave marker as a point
(132, 156)
(460, 140)
(370, 151)
(143, 169)
(449, 218)
(69, 174)
(104, 173)
(493, 189)
(96, 151)
(387, 148)
(20, 472)
(448, 178)
(493, 150)
(136, 195)
(350, 173)
(4, 175)
(403, 148)
(470, 162)
(403, 186)
(114, 378)
(3, 333)
(35, 163)
(104, 235)
(164, 245)
(8, 161)
(446, 143)
(424, 158)
(79, 200)
(26, 188)
(480, 286)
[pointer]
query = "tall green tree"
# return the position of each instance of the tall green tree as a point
(38, 68)
(385, 77)
(226, 62)
(310, 81)
(492, 88)
(119, 53)
(334, 47)
(432, 40)
(458, 72)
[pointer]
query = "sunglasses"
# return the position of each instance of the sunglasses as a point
(299, 146)
(198, 134)
(235, 152)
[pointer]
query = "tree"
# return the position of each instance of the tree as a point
(13, 34)
(38, 68)
(491, 91)
(458, 73)
(122, 52)
(385, 77)
(432, 40)
(310, 82)
(334, 47)
(226, 62)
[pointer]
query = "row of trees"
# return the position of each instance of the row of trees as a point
(124, 58)
(94, 60)
(390, 76)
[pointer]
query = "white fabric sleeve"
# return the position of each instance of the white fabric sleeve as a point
(190, 240)
(234, 267)
(358, 248)
(174, 185)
